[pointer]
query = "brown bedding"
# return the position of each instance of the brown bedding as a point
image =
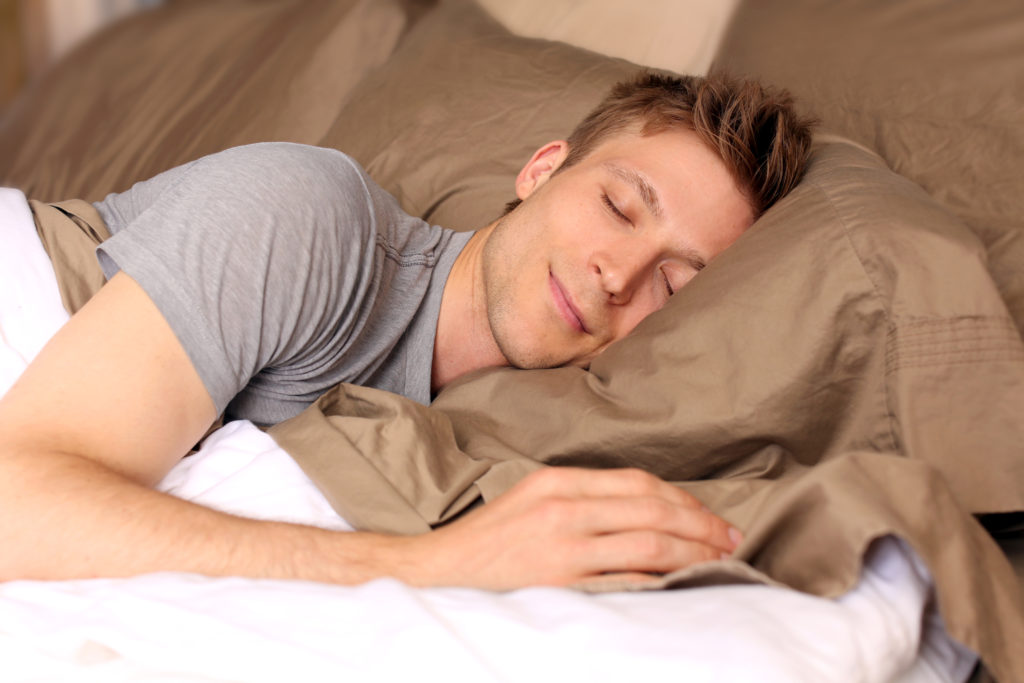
(187, 79)
(938, 91)
(852, 368)
(819, 385)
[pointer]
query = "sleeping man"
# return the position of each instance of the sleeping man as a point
(247, 283)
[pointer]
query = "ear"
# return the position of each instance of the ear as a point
(539, 168)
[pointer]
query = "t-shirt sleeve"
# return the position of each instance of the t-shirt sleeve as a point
(252, 256)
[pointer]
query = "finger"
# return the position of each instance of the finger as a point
(646, 552)
(601, 516)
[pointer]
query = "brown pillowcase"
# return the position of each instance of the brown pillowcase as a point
(856, 314)
(847, 370)
(448, 122)
(937, 90)
(170, 85)
(787, 347)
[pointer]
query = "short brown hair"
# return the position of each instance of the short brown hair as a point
(753, 129)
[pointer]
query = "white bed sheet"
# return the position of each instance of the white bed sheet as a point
(186, 627)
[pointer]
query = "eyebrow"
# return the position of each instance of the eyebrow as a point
(649, 196)
(647, 193)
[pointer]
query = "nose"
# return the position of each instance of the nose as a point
(621, 268)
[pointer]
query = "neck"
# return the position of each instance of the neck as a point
(464, 341)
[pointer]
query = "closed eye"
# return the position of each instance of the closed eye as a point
(614, 209)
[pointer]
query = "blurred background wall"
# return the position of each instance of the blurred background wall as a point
(33, 33)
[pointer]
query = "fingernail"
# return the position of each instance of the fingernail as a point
(724, 556)
(735, 536)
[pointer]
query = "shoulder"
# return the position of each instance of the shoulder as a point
(288, 188)
(289, 155)
(329, 187)
(286, 166)
(302, 191)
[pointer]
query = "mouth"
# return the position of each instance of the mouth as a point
(564, 304)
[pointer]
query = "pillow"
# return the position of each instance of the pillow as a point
(847, 359)
(679, 35)
(856, 314)
(170, 85)
(445, 126)
(448, 122)
(936, 90)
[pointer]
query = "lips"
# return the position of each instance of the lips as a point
(564, 304)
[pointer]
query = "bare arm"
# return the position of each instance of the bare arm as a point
(113, 402)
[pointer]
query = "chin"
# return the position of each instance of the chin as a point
(527, 358)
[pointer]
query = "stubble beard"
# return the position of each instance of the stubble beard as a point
(499, 280)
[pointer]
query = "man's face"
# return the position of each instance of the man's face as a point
(596, 248)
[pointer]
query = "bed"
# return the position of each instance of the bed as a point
(846, 383)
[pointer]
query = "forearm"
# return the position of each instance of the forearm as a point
(68, 517)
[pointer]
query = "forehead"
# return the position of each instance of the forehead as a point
(677, 149)
(673, 171)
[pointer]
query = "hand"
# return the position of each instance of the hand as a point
(561, 526)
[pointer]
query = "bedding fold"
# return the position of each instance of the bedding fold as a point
(852, 370)
(846, 371)
(241, 470)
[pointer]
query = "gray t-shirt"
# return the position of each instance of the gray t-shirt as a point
(283, 269)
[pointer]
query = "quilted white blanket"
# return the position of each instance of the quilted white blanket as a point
(185, 627)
